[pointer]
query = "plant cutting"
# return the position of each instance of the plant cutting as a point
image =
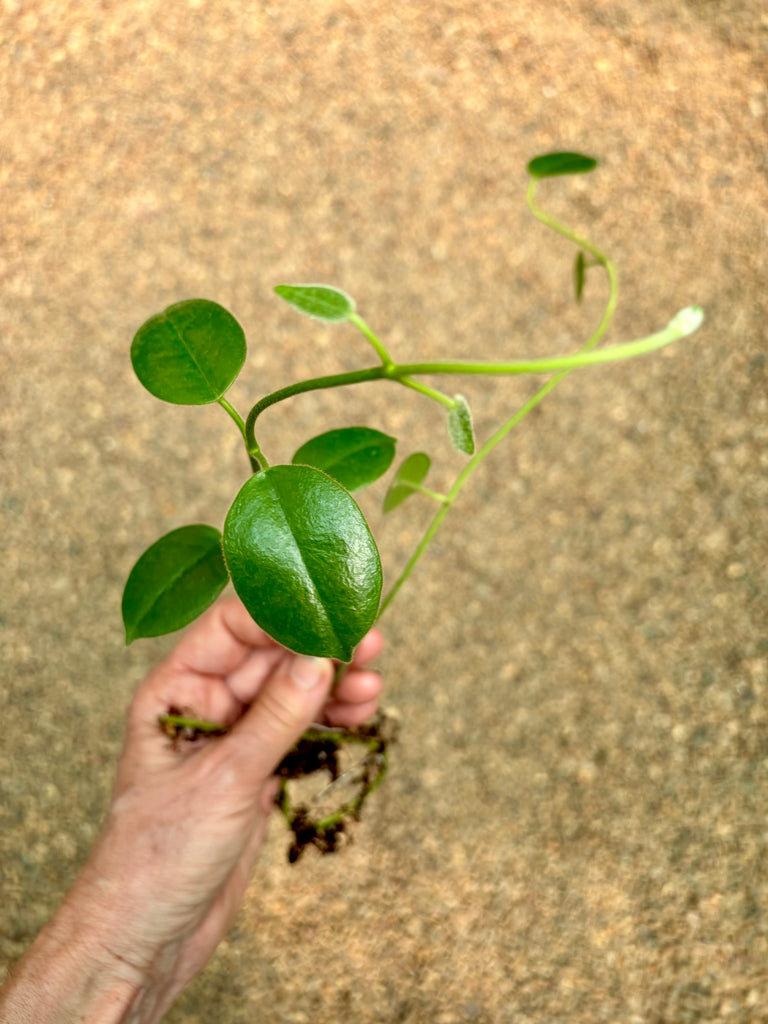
(295, 544)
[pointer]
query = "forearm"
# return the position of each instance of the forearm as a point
(68, 976)
(168, 872)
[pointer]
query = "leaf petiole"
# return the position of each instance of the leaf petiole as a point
(235, 415)
(420, 489)
(425, 389)
(375, 341)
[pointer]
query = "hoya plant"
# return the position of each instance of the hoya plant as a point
(295, 544)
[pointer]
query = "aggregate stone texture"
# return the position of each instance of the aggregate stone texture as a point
(574, 828)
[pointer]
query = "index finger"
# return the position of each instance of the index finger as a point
(220, 641)
(369, 648)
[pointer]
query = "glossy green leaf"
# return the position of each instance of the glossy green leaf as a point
(353, 456)
(579, 273)
(317, 300)
(410, 474)
(190, 353)
(303, 560)
(173, 582)
(460, 426)
(553, 164)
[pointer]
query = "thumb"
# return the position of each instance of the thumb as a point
(285, 707)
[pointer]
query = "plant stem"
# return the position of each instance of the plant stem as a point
(233, 413)
(679, 327)
(611, 354)
(256, 455)
(425, 490)
(177, 724)
(424, 389)
(561, 229)
(502, 432)
(362, 326)
(388, 362)
(682, 325)
(587, 246)
(315, 384)
(462, 478)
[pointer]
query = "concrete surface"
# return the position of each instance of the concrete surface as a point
(574, 829)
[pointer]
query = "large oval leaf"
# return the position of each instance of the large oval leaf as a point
(303, 561)
(410, 474)
(353, 456)
(317, 300)
(190, 353)
(552, 164)
(173, 582)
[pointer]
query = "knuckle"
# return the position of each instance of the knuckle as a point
(279, 710)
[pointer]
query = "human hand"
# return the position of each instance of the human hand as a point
(170, 867)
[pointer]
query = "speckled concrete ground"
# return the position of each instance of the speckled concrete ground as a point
(575, 825)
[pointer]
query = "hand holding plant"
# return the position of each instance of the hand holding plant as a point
(168, 872)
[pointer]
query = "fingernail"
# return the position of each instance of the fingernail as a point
(307, 672)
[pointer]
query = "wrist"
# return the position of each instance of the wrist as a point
(68, 975)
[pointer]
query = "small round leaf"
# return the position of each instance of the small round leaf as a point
(353, 456)
(190, 353)
(303, 561)
(411, 472)
(317, 300)
(460, 426)
(553, 164)
(687, 320)
(579, 275)
(173, 582)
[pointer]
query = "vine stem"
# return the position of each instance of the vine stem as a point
(462, 478)
(390, 366)
(501, 433)
(685, 323)
(609, 354)
(587, 246)
(398, 371)
(315, 384)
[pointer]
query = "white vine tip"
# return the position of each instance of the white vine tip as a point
(688, 320)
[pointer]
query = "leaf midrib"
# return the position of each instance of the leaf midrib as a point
(191, 354)
(351, 452)
(282, 502)
(173, 581)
